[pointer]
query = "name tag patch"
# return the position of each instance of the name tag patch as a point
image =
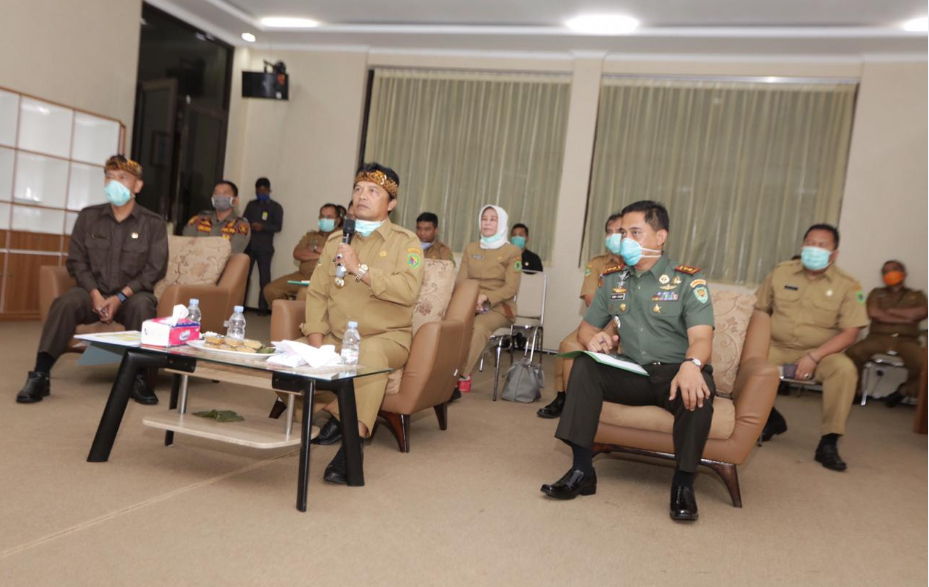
(791, 287)
(264, 215)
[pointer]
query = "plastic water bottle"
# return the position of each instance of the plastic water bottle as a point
(236, 325)
(351, 344)
(193, 311)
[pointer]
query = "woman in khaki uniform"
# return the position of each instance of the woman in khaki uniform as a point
(496, 265)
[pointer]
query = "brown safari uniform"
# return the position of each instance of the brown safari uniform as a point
(806, 312)
(279, 289)
(234, 229)
(439, 251)
(592, 275)
(900, 338)
(384, 311)
(498, 272)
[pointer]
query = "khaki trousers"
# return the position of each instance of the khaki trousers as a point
(838, 376)
(563, 366)
(484, 326)
(279, 289)
(906, 347)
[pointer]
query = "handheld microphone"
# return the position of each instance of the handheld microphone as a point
(348, 231)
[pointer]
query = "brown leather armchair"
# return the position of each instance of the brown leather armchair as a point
(737, 422)
(216, 301)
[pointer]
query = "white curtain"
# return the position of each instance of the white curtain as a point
(460, 140)
(743, 168)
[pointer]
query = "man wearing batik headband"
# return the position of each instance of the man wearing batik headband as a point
(118, 251)
(384, 274)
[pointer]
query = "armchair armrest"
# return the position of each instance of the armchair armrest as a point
(429, 373)
(286, 318)
(214, 302)
(754, 392)
(53, 282)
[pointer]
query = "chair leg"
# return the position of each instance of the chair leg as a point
(480, 367)
(497, 367)
(399, 425)
(730, 476)
(441, 414)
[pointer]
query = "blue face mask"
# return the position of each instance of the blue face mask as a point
(425, 245)
(366, 227)
(815, 258)
(262, 197)
(613, 243)
(326, 224)
(117, 193)
(632, 252)
(519, 241)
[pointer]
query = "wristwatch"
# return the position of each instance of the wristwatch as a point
(121, 297)
(695, 361)
(362, 269)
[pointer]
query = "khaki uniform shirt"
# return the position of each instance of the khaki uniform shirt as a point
(108, 255)
(439, 251)
(234, 229)
(887, 299)
(593, 271)
(807, 311)
(655, 309)
(315, 240)
(497, 271)
(395, 265)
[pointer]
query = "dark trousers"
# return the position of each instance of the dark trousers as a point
(74, 307)
(590, 384)
(263, 258)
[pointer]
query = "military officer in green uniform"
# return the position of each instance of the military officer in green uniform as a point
(222, 220)
(664, 321)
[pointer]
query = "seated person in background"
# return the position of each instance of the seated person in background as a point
(118, 251)
(385, 274)
(222, 220)
(665, 324)
(307, 253)
(427, 229)
(592, 280)
(895, 313)
(816, 312)
(519, 236)
(497, 266)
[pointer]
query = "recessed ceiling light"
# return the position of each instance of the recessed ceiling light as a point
(917, 25)
(287, 22)
(603, 24)
(248, 37)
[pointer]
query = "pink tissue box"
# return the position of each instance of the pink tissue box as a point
(157, 332)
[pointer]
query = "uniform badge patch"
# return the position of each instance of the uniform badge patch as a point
(622, 307)
(587, 271)
(676, 280)
(697, 282)
(664, 280)
(519, 265)
(702, 295)
(384, 253)
(413, 260)
(264, 215)
(409, 250)
(656, 309)
(860, 297)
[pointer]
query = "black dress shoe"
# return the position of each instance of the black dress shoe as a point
(828, 454)
(330, 433)
(37, 386)
(142, 393)
(894, 399)
(277, 409)
(683, 504)
(575, 482)
(337, 469)
(554, 409)
(775, 425)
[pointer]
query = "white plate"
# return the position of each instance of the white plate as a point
(201, 345)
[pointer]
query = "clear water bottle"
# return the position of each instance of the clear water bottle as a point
(193, 311)
(235, 327)
(351, 344)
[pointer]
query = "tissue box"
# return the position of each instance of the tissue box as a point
(159, 332)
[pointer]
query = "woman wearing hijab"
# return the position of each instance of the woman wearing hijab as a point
(496, 265)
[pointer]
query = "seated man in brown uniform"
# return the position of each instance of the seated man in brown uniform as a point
(118, 251)
(427, 229)
(895, 313)
(307, 253)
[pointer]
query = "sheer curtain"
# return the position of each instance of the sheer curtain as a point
(744, 168)
(460, 140)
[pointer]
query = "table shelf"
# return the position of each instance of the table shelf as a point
(254, 432)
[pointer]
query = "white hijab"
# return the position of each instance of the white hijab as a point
(499, 239)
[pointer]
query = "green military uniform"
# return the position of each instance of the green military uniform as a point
(439, 251)
(383, 310)
(655, 310)
(234, 229)
(806, 311)
(902, 339)
(498, 272)
(280, 289)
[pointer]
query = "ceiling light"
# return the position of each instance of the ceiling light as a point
(248, 37)
(917, 25)
(287, 22)
(603, 24)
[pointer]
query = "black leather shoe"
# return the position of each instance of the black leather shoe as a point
(337, 469)
(278, 409)
(37, 386)
(142, 393)
(330, 433)
(553, 410)
(575, 482)
(894, 399)
(683, 504)
(828, 454)
(775, 425)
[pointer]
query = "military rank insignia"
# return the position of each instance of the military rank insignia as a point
(687, 269)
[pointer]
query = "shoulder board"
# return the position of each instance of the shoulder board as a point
(687, 269)
(193, 220)
(612, 269)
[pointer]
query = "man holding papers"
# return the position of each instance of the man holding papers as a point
(664, 319)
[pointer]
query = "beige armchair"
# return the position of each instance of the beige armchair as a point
(746, 384)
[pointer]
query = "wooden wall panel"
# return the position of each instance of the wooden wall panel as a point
(35, 241)
(22, 283)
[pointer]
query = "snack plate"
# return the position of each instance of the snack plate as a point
(201, 345)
